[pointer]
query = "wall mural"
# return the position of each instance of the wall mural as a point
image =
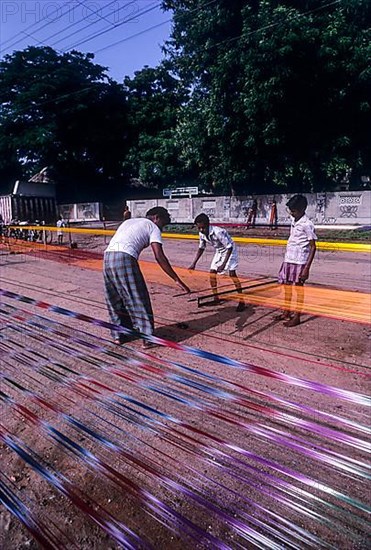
(348, 205)
(323, 208)
(209, 207)
(349, 211)
(227, 208)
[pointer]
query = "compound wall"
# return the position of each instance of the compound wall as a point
(340, 208)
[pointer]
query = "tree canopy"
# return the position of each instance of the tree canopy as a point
(252, 96)
(155, 100)
(280, 90)
(60, 110)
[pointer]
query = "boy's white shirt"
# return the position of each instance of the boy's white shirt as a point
(218, 237)
(221, 240)
(301, 233)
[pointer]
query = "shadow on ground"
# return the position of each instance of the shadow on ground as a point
(200, 323)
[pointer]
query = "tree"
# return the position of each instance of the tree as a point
(62, 111)
(155, 97)
(280, 91)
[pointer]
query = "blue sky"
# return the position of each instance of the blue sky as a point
(103, 27)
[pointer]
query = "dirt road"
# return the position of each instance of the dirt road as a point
(185, 452)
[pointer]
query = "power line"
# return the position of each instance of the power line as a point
(96, 35)
(93, 12)
(227, 40)
(96, 12)
(148, 29)
(63, 96)
(36, 30)
(70, 94)
(82, 20)
(86, 26)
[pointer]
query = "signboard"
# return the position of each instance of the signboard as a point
(172, 205)
(180, 191)
(87, 211)
(67, 211)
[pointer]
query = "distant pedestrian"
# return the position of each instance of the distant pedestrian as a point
(273, 220)
(126, 293)
(251, 216)
(300, 251)
(60, 224)
(225, 257)
(127, 214)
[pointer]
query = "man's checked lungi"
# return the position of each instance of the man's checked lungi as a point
(126, 294)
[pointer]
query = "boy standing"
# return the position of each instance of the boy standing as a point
(252, 213)
(225, 257)
(60, 224)
(273, 219)
(300, 251)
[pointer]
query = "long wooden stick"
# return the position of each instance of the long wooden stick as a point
(233, 290)
(208, 288)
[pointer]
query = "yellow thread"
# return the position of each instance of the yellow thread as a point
(336, 247)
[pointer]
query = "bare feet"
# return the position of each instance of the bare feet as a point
(295, 321)
(241, 306)
(283, 316)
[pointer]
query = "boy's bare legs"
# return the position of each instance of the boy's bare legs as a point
(214, 286)
(295, 320)
(285, 314)
(241, 304)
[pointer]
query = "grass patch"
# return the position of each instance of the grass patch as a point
(343, 235)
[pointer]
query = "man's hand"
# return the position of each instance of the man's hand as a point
(183, 286)
(165, 265)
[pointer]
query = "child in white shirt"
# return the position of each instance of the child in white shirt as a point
(300, 251)
(225, 257)
(60, 224)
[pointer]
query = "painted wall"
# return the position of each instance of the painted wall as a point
(80, 212)
(339, 208)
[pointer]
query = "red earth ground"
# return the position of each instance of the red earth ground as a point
(208, 465)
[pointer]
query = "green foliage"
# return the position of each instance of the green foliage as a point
(280, 91)
(60, 111)
(253, 96)
(155, 98)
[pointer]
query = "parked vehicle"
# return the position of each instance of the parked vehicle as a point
(25, 208)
